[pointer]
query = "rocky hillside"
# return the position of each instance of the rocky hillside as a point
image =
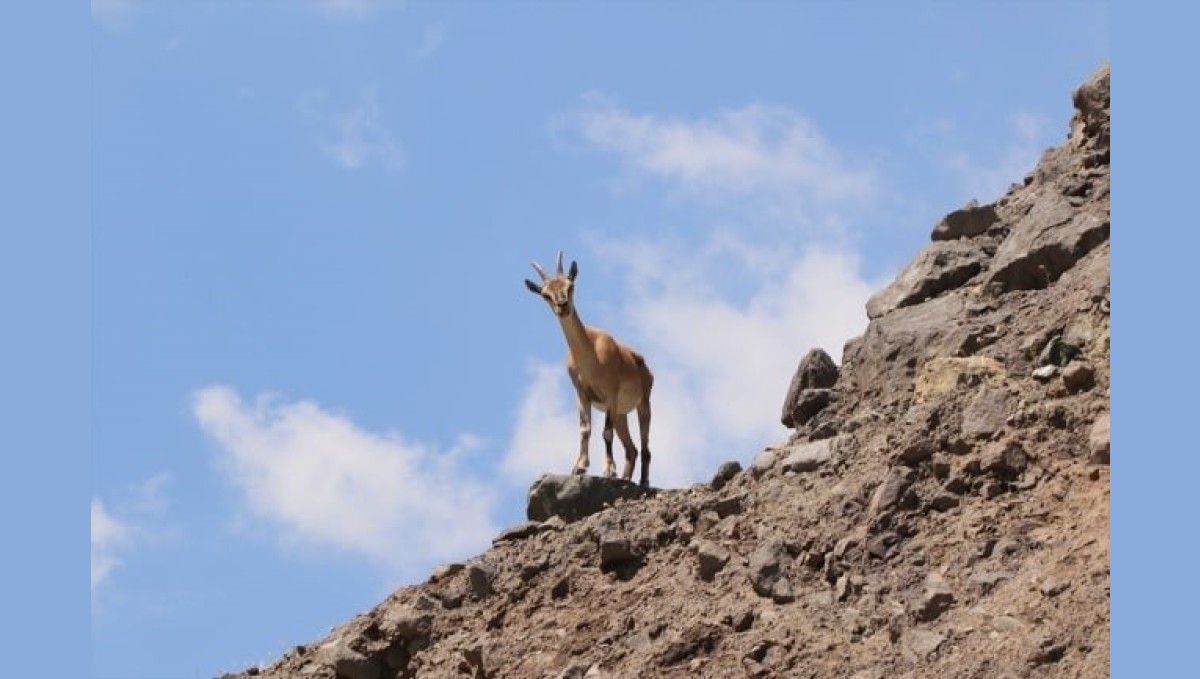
(940, 510)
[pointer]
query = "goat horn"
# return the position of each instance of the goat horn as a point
(539, 271)
(560, 270)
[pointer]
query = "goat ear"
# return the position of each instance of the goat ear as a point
(574, 271)
(533, 287)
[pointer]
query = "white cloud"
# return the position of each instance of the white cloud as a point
(759, 151)
(329, 484)
(110, 538)
(134, 523)
(987, 180)
(362, 137)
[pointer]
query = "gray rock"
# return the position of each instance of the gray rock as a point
(615, 549)
(915, 452)
(941, 266)
(986, 582)
(407, 623)
(1006, 623)
(480, 577)
(893, 344)
(1098, 440)
(943, 502)
(1058, 352)
(1043, 244)
(1045, 373)
(889, 492)
(972, 220)
(936, 598)
(987, 412)
(444, 571)
(816, 371)
(767, 574)
(806, 457)
(922, 643)
(1078, 377)
(725, 474)
(711, 559)
(574, 497)
(808, 404)
(347, 662)
(518, 532)
(766, 460)
(1005, 460)
(728, 506)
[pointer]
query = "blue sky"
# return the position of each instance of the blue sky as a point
(316, 372)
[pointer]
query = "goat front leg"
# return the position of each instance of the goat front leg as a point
(585, 434)
(610, 467)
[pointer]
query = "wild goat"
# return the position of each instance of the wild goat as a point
(606, 373)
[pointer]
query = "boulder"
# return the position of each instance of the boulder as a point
(711, 558)
(939, 267)
(1043, 244)
(767, 572)
(725, 474)
(816, 371)
(806, 457)
(889, 492)
(972, 220)
(576, 496)
(348, 663)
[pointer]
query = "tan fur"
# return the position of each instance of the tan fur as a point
(606, 373)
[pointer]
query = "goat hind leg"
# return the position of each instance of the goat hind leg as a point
(643, 411)
(610, 467)
(622, 425)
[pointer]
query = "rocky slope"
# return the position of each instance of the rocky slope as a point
(941, 509)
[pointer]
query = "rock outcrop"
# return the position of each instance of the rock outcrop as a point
(943, 513)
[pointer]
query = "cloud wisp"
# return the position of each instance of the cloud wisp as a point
(759, 152)
(133, 523)
(110, 539)
(326, 483)
(361, 137)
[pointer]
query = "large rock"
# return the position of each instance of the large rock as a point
(574, 497)
(1044, 243)
(972, 220)
(883, 360)
(767, 572)
(942, 266)
(1098, 440)
(348, 663)
(808, 391)
(806, 457)
(987, 412)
